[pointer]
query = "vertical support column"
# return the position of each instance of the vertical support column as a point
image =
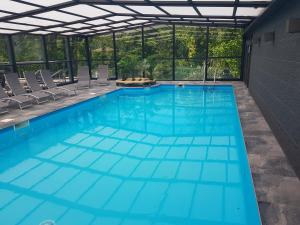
(88, 55)
(242, 69)
(143, 48)
(174, 49)
(69, 57)
(115, 55)
(11, 54)
(143, 43)
(206, 53)
(45, 51)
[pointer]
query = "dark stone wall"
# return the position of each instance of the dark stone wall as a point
(274, 78)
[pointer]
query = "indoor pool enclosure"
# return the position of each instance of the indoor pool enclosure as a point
(149, 112)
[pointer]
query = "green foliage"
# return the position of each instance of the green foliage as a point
(129, 66)
(3, 50)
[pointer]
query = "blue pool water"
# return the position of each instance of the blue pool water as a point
(156, 156)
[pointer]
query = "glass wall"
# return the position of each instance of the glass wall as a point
(57, 58)
(28, 52)
(79, 53)
(158, 51)
(4, 56)
(224, 53)
(129, 53)
(102, 53)
(190, 52)
(161, 52)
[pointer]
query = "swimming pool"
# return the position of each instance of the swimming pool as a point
(156, 156)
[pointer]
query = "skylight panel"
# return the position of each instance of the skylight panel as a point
(216, 11)
(78, 25)
(42, 32)
(69, 33)
(249, 11)
(137, 21)
(59, 29)
(35, 21)
(3, 31)
(86, 10)
(182, 10)
(16, 26)
(16, 7)
(55, 15)
(119, 18)
(217, 0)
(98, 22)
(147, 10)
(116, 9)
(46, 2)
(119, 24)
(2, 14)
(85, 31)
(102, 28)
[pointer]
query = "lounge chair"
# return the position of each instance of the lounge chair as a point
(14, 84)
(3, 107)
(103, 77)
(22, 101)
(84, 79)
(48, 81)
(35, 86)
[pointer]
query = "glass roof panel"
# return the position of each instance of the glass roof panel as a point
(98, 22)
(86, 10)
(46, 2)
(147, 10)
(180, 10)
(15, 7)
(3, 31)
(78, 25)
(119, 24)
(249, 11)
(138, 21)
(35, 21)
(102, 28)
(116, 9)
(85, 31)
(16, 26)
(41, 32)
(119, 18)
(69, 33)
(55, 15)
(216, 11)
(59, 29)
(2, 14)
(255, 0)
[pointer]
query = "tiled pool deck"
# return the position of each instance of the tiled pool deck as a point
(277, 187)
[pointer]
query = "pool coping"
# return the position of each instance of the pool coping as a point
(276, 185)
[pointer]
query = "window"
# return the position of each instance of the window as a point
(4, 57)
(190, 52)
(225, 51)
(129, 53)
(55, 47)
(102, 53)
(28, 52)
(78, 53)
(159, 51)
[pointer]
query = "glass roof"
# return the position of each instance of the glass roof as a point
(88, 17)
